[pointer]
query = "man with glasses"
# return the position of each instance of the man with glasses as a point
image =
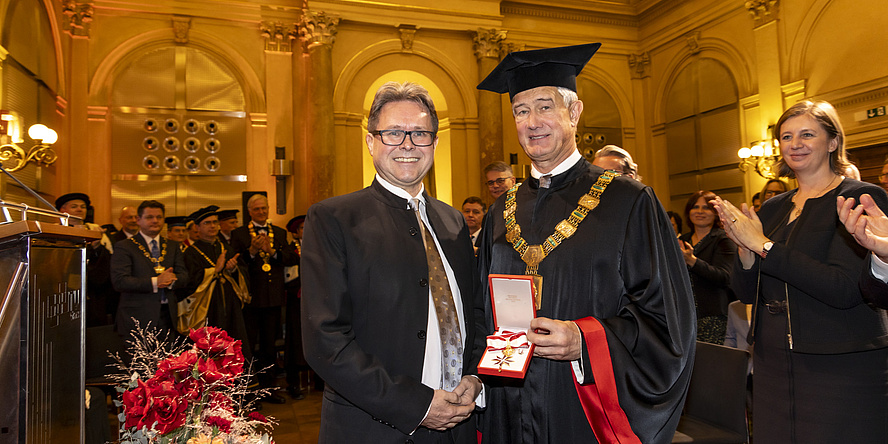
(388, 310)
(216, 289)
(499, 178)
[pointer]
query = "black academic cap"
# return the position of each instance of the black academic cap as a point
(176, 221)
(65, 198)
(523, 70)
(203, 213)
(227, 214)
(293, 224)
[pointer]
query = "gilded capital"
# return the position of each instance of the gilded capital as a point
(277, 36)
(79, 17)
(489, 43)
(640, 64)
(317, 28)
(762, 11)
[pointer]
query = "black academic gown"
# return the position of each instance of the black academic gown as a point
(623, 269)
(225, 309)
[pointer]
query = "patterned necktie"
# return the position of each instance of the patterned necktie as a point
(448, 322)
(545, 181)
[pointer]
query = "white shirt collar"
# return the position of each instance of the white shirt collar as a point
(400, 192)
(565, 165)
(149, 239)
(259, 226)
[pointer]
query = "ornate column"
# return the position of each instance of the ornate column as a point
(764, 15)
(91, 174)
(279, 109)
(489, 45)
(317, 31)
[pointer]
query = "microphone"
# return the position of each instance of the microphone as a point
(28, 189)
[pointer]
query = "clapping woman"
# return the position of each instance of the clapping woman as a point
(709, 255)
(820, 353)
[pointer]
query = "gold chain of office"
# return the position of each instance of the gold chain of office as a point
(158, 268)
(532, 255)
(266, 267)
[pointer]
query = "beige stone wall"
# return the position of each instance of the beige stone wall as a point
(824, 49)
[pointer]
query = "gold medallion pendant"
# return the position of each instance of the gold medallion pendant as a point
(266, 267)
(159, 269)
(532, 255)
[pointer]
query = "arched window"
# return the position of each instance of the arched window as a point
(178, 131)
(703, 132)
(30, 81)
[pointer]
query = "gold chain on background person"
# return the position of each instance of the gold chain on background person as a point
(266, 267)
(532, 255)
(158, 268)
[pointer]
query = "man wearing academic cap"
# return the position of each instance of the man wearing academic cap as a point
(101, 299)
(227, 223)
(176, 230)
(388, 315)
(614, 333)
(216, 290)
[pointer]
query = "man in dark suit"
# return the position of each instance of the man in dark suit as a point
(265, 251)
(129, 224)
(388, 309)
(144, 269)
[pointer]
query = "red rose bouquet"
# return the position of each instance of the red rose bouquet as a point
(196, 394)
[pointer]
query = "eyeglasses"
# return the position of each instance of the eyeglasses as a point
(498, 181)
(397, 137)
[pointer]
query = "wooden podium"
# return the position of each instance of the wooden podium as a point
(43, 272)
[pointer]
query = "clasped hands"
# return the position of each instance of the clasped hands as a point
(552, 339)
(166, 278)
(260, 242)
(451, 408)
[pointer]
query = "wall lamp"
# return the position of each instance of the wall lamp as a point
(41, 153)
(762, 155)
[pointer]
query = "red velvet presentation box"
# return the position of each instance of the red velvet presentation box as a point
(508, 352)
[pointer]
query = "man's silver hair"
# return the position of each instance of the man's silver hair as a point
(568, 95)
(630, 168)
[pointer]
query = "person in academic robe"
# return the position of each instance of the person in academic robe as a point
(176, 230)
(615, 326)
(100, 296)
(216, 289)
(264, 249)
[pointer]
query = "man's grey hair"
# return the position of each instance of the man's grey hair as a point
(401, 92)
(256, 197)
(629, 167)
(568, 95)
(498, 166)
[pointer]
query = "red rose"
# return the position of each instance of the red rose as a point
(190, 389)
(210, 372)
(136, 404)
(177, 368)
(210, 340)
(168, 408)
(168, 412)
(222, 424)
